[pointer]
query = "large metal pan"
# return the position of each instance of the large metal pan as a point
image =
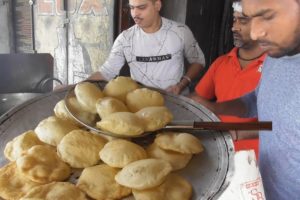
(209, 172)
(9, 100)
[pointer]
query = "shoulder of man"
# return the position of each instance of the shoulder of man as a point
(127, 34)
(218, 62)
(168, 23)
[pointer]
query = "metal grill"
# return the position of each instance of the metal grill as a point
(22, 26)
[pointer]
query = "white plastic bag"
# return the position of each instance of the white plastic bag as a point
(246, 182)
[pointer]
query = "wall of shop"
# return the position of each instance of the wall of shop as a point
(5, 40)
(175, 10)
(78, 34)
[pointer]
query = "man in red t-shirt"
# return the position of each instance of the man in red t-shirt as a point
(235, 74)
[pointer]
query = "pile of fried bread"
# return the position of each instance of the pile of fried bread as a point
(43, 160)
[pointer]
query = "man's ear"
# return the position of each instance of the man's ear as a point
(157, 5)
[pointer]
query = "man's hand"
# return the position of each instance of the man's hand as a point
(250, 134)
(96, 76)
(200, 100)
(59, 87)
(175, 89)
(180, 86)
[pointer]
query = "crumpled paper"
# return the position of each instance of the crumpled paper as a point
(246, 183)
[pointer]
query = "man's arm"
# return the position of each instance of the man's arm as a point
(235, 107)
(96, 76)
(240, 135)
(193, 71)
(113, 63)
(205, 90)
(194, 55)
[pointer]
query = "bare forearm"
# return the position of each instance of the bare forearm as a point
(234, 107)
(242, 135)
(205, 102)
(247, 134)
(96, 76)
(193, 71)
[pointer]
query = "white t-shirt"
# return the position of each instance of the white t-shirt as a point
(155, 59)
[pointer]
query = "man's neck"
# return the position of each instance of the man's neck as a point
(248, 55)
(155, 26)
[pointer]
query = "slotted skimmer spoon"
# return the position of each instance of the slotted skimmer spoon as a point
(176, 125)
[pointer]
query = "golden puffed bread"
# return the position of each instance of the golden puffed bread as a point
(15, 148)
(51, 130)
(106, 137)
(99, 183)
(144, 97)
(13, 185)
(174, 188)
(42, 165)
(109, 105)
(155, 117)
(119, 87)
(62, 113)
(80, 148)
(179, 142)
(87, 95)
(122, 123)
(176, 159)
(144, 174)
(55, 191)
(119, 153)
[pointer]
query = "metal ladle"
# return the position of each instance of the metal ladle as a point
(176, 125)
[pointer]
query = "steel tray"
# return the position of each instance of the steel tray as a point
(209, 172)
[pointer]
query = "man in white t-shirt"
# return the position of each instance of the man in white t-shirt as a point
(154, 49)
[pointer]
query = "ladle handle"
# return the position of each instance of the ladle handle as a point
(225, 126)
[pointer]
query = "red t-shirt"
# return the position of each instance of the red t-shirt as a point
(226, 80)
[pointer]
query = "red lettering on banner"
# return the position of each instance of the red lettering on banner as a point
(60, 7)
(72, 6)
(90, 6)
(56, 7)
(45, 7)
